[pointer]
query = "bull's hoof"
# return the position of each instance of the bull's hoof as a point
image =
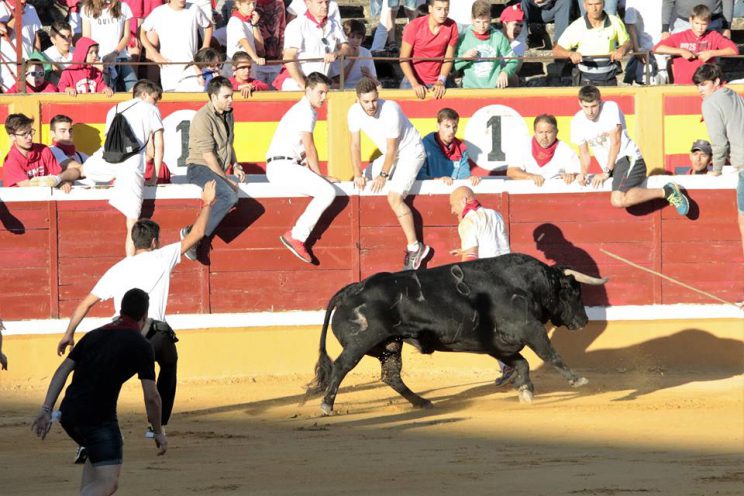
(326, 409)
(424, 405)
(525, 395)
(581, 381)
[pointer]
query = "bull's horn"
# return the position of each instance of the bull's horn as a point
(585, 279)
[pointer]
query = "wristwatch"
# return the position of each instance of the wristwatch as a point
(384, 174)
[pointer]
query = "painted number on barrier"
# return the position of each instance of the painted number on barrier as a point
(176, 136)
(491, 134)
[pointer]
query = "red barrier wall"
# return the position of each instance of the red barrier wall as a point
(54, 251)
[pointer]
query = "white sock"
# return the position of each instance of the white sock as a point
(413, 247)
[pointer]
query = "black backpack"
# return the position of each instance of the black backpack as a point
(121, 143)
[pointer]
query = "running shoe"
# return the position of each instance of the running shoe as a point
(414, 258)
(81, 455)
(191, 252)
(508, 374)
(296, 247)
(676, 198)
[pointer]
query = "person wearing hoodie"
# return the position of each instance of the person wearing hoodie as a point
(82, 76)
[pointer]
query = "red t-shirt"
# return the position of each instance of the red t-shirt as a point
(426, 44)
(39, 162)
(46, 87)
(684, 69)
(257, 84)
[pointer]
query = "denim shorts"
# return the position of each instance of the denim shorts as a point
(102, 441)
(740, 193)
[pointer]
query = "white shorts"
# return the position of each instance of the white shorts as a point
(129, 181)
(403, 174)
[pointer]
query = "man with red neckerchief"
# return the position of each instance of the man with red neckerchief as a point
(543, 156)
(311, 36)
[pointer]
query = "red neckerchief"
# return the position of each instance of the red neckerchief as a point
(241, 16)
(68, 150)
(320, 24)
(123, 321)
(543, 155)
(453, 151)
(471, 205)
(483, 37)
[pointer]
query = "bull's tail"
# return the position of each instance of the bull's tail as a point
(324, 366)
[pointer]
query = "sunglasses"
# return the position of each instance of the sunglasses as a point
(241, 67)
(38, 74)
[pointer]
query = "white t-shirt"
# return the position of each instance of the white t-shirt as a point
(143, 118)
(299, 7)
(236, 31)
(484, 229)
(55, 56)
(31, 24)
(107, 30)
(646, 15)
(190, 81)
(149, 271)
(178, 34)
(287, 140)
(389, 123)
(304, 35)
(356, 71)
(564, 160)
(79, 157)
(597, 133)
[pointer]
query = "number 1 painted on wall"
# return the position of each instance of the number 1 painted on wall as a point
(496, 154)
(183, 127)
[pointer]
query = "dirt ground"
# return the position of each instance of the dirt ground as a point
(626, 433)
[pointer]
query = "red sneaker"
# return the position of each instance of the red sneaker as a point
(296, 247)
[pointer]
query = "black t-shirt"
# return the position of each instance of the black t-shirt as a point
(105, 359)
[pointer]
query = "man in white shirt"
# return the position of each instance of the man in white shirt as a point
(314, 35)
(403, 155)
(145, 122)
(600, 125)
(298, 8)
(63, 147)
(482, 234)
(149, 269)
(174, 28)
(292, 146)
(544, 156)
(643, 20)
(61, 49)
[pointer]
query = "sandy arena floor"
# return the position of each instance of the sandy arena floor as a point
(626, 433)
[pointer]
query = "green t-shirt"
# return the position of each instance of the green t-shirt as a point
(483, 74)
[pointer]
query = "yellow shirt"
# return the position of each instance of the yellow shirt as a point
(594, 41)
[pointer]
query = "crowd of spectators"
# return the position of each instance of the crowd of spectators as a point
(594, 38)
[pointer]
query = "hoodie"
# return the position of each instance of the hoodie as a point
(84, 78)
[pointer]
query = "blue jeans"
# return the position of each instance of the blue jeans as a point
(120, 77)
(610, 6)
(375, 6)
(740, 192)
(226, 197)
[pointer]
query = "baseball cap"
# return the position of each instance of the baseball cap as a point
(512, 13)
(703, 146)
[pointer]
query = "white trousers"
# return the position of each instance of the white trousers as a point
(403, 173)
(129, 181)
(300, 179)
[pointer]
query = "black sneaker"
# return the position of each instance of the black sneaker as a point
(81, 455)
(414, 258)
(191, 252)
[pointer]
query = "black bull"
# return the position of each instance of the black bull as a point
(495, 306)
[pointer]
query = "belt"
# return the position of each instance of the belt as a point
(290, 159)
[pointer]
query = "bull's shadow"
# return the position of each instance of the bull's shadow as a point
(549, 239)
(691, 355)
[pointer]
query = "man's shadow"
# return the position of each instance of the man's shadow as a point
(549, 239)
(11, 223)
(340, 203)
